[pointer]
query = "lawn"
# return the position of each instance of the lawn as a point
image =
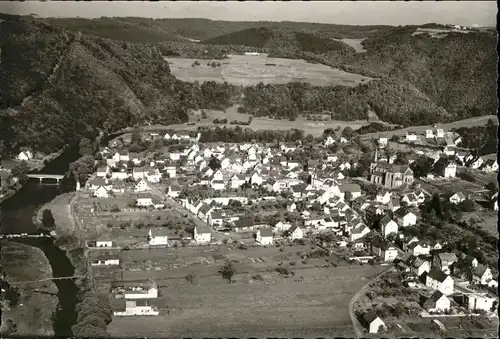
(250, 70)
(312, 303)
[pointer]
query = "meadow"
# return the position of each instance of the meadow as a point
(250, 70)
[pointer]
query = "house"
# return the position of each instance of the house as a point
(174, 191)
(404, 217)
(429, 134)
(410, 199)
(481, 275)
(141, 186)
(282, 226)
(443, 261)
(217, 185)
(144, 200)
(418, 248)
(437, 302)
(490, 165)
(237, 181)
(383, 197)
(25, 155)
(384, 250)
(457, 198)
(292, 207)
(479, 302)
(411, 137)
(171, 171)
(382, 142)
(256, 179)
(105, 260)
(96, 183)
(359, 232)
(439, 133)
(202, 235)
(153, 175)
(104, 243)
(144, 289)
(264, 236)
(296, 233)
(101, 192)
(103, 171)
(329, 141)
(438, 280)
(445, 168)
(394, 205)
(373, 323)
(351, 191)
(388, 226)
(419, 266)
(138, 307)
(121, 175)
(157, 238)
(244, 225)
(474, 162)
(215, 219)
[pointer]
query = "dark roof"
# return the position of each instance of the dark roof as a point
(437, 274)
(479, 270)
(244, 222)
(216, 215)
(266, 232)
(350, 188)
(436, 296)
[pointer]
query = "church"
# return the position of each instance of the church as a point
(390, 175)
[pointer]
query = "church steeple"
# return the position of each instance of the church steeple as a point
(376, 155)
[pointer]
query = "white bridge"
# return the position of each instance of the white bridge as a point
(24, 235)
(58, 177)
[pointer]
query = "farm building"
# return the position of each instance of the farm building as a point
(202, 235)
(144, 289)
(436, 302)
(372, 322)
(264, 236)
(157, 238)
(136, 307)
(106, 261)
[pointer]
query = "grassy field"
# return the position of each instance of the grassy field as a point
(313, 302)
(476, 121)
(250, 70)
(488, 220)
(354, 43)
(38, 300)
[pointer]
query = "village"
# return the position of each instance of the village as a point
(190, 205)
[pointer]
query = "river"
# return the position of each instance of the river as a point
(17, 217)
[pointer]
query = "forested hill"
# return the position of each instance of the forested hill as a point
(275, 40)
(57, 86)
(457, 71)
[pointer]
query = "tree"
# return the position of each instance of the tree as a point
(20, 170)
(47, 219)
(86, 147)
(347, 132)
(12, 295)
(136, 136)
(214, 163)
(436, 205)
(422, 166)
(227, 271)
(467, 205)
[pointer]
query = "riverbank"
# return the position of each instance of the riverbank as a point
(38, 301)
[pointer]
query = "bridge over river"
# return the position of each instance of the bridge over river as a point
(40, 177)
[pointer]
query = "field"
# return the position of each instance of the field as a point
(38, 300)
(476, 121)
(250, 70)
(488, 220)
(312, 302)
(309, 127)
(450, 185)
(354, 43)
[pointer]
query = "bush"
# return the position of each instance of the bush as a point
(190, 278)
(257, 277)
(227, 271)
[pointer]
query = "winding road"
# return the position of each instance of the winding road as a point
(358, 329)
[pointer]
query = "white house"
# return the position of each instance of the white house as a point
(439, 133)
(25, 155)
(101, 192)
(104, 243)
(429, 134)
(144, 200)
(138, 307)
(373, 323)
(405, 218)
(418, 248)
(481, 275)
(385, 251)
(215, 219)
(264, 236)
(438, 302)
(382, 142)
(217, 185)
(438, 280)
(479, 302)
(171, 171)
(383, 197)
(106, 261)
(121, 175)
(256, 179)
(457, 198)
(202, 235)
(411, 137)
(147, 289)
(282, 226)
(359, 232)
(329, 141)
(174, 191)
(388, 226)
(490, 165)
(153, 175)
(419, 266)
(450, 171)
(141, 186)
(296, 233)
(157, 239)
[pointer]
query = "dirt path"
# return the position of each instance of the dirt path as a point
(358, 329)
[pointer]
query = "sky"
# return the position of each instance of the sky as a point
(469, 13)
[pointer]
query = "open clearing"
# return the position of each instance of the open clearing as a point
(250, 70)
(313, 302)
(354, 43)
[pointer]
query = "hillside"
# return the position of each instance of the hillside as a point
(278, 40)
(441, 68)
(126, 28)
(58, 86)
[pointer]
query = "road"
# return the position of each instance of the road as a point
(358, 329)
(181, 211)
